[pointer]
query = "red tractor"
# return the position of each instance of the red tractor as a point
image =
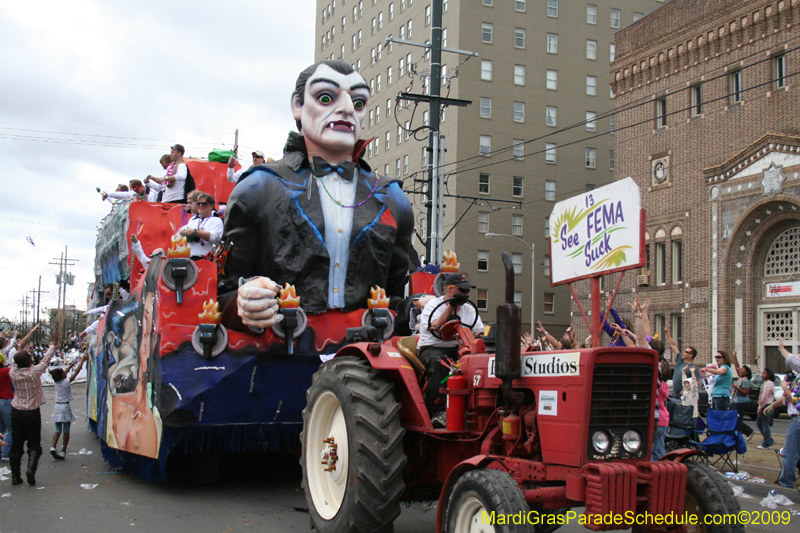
(529, 437)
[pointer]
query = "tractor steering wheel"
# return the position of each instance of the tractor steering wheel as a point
(448, 329)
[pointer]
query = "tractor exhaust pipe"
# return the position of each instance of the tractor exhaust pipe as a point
(509, 326)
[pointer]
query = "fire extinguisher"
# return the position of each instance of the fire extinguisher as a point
(456, 402)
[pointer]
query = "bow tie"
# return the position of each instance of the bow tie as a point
(321, 168)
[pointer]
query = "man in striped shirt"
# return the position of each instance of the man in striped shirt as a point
(26, 419)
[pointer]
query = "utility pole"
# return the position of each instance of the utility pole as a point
(434, 203)
(64, 278)
(37, 301)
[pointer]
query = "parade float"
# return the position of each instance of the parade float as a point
(165, 376)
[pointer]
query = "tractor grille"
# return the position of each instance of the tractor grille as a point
(621, 400)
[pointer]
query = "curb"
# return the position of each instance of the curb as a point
(761, 490)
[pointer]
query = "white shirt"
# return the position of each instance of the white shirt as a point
(121, 195)
(338, 227)
(175, 192)
(426, 338)
(63, 390)
(233, 176)
(155, 188)
(211, 224)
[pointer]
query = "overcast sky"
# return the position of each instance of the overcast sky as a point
(94, 92)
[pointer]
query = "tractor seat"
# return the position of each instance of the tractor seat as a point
(408, 347)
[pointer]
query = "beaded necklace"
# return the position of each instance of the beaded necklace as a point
(337, 202)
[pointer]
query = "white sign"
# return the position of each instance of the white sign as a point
(788, 288)
(596, 232)
(548, 402)
(546, 364)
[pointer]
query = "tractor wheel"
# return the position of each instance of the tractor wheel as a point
(479, 494)
(707, 493)
(352, 449)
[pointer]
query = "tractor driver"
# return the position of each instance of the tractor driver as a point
(437, 354)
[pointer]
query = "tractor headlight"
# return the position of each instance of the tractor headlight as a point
(632, 441)
(601, 442)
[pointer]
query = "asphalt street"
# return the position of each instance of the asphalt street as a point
(256, 492)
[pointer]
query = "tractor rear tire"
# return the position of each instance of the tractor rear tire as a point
(707, 493)
(479, 494)
(353, 455)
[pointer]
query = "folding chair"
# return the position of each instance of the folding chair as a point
(722, 440)
(680, 429)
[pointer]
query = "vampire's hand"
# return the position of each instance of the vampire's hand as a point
(257, 304)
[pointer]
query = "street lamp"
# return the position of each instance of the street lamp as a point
(532, 248)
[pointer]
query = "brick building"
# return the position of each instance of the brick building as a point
(706, 98)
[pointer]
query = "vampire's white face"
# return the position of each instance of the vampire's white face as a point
(333, 112)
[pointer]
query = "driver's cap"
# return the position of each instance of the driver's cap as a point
(459, 280)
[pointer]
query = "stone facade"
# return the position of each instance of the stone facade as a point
(706, 93)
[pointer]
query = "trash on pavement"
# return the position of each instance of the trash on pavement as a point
(89, 486)
(773, 500)
(741, 476)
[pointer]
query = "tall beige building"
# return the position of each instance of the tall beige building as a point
(538, 129)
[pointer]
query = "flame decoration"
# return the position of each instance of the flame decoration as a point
(378, 299)
(179, 247)
(288, 298)
(210, 314)
(450, 261)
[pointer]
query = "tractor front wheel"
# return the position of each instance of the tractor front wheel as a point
(707, 493)
(487, 501)
(352, 449)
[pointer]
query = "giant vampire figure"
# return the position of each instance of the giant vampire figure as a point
(319, 218)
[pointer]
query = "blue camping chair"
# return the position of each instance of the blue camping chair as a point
(722, 439)
(680, 428)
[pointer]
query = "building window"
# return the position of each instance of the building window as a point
(354, 42)
(486, 33)
(405, 164)
(424, 157)
(388, 139)
(389, 76)
(550, 153)
(519, 5)
(444, 42)
(591, 14)
(552, 43)
(782, 254)
(388, 108)
(735, 86)
(637, 17)
(552, 8)
(519, 74)
(374, 25)
(611, 160)
(591, 124)
(516, 224)
(591, 85)
(661, 263)
(427, 15)
(425, 118)
(615, 18)
(372, 86)
(369, 151)
(613, 51)
(486, 70)
(409, 28)
(485, 145)
(483, 183)
(611, 123)
(697, 100)
(516, 261)
(661, 113)
(483, 260)
(550, 190)
(659, 321)
(483, 222)
(549, 303)
(483, 300)
(591, 49)
(677, 330)
(677, 261)
(552, 80)
(591, 158)
(551, 115)
(359, 38)
(401, 67)
(391, 11)
(519, 111)
(518, 150)
(516, 186)
(546, 227)
(377, 146)
(486, 107)
(378, 83)
(779, 71)
(518, 298)
(397, 169)
(402, 32)
(371, 117)
(386, 169)
(519, 38)
(407, 130)
(489, 3)
(380, 20)
(547, 265)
